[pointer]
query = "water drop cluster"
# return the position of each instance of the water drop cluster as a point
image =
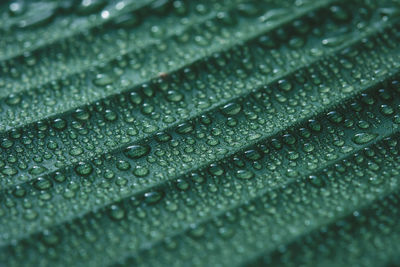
(199, 132)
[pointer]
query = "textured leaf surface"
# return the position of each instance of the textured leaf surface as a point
(200, 133)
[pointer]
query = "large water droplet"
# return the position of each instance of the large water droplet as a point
(362, 138)
(137, 151)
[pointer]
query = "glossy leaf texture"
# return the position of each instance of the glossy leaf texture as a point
(200, 133)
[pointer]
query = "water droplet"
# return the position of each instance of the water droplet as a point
(59, 177)
(42, 183)
(334, 41)
(335, 117)
(184, 128)
(153, 197)
(316, 181)
(81, 114)
(386, 110)
(35, 170)
(137, 151)
(123, 165)
(163, 137)
(83, 169)
(216, 169)
(284, 85)
(244, 174)
(116, 212)
(231, 109)
(19, 191)
(90, 6)
(253, 154)
(17, 8)
(174, 96)
(140, 171)
(362, 138)
(110, 115)
(6, 143)
(13, 99)
(103, 80)
(182, 184)
(59, 124)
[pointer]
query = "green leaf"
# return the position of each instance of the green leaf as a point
(199, 133)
